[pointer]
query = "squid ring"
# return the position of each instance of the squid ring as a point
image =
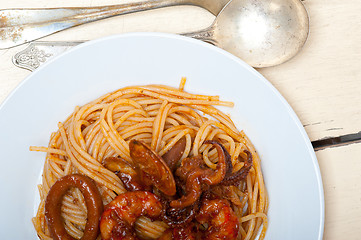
(93, 203)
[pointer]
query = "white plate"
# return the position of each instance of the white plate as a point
(49, 95)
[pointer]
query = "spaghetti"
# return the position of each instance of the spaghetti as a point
(159, 116)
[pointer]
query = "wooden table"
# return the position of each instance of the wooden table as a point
(322, 84)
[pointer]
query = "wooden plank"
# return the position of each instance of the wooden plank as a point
(340, 169)
(323, 82)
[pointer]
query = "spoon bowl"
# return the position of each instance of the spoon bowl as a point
(262, 33)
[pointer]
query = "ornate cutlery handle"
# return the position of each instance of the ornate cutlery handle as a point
(37, 53)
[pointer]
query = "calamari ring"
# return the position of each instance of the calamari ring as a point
(93, 203)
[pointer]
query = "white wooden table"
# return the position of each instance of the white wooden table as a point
(322, 84)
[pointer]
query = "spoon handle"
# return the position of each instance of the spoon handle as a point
(39, 52)
(18, 26)
(205, 35)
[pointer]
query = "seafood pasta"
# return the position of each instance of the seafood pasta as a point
(151, 162)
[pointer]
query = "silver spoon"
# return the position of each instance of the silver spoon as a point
(261, 32)
(18, 26)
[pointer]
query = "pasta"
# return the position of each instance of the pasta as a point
(159, 116)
